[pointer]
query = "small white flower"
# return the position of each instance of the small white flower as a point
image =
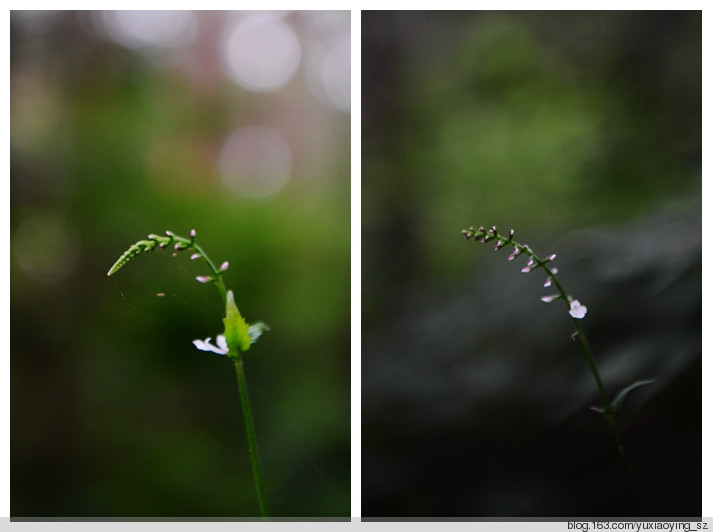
(205, 345)
(577, 310)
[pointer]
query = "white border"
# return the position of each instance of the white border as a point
(356, 265)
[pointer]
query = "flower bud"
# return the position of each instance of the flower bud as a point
(515, 252)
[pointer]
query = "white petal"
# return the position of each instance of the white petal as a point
(205, 345)
(577, 310)
(222, 343)
(200, 344)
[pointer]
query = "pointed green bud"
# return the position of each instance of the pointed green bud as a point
(142, 246)
(236, 330)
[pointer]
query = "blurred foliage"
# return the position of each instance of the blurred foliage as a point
(113, 411)
(534, 120)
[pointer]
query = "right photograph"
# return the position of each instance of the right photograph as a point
(531, 265)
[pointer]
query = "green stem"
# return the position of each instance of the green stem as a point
(215, 271)
(191, 244)
(607, 410)
(180, 243)
(582, 339)
(252, 440)
(242, 386)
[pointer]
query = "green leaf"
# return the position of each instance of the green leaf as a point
(256, 329)
(618, 401)
(237, 334)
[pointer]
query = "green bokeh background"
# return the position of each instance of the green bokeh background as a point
(114, 413)
(537, 120)
(581, 130)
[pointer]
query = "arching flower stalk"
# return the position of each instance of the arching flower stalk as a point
(577, 311)
(237, 336)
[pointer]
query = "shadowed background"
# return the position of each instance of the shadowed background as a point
(582, 131)
(129, 123)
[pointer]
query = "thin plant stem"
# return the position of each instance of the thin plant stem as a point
(481, 235)
(258, 477)
(608, 411)
(252, 440)
(180, 243)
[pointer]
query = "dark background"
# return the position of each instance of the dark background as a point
(118, 126)
(582, 131)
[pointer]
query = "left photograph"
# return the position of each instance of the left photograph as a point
(180, 265)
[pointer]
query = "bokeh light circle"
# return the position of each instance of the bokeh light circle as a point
(255, 161)
(146, 29)
(261, 53)
(334, 75)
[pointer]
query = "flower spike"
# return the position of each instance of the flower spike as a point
(576, 311)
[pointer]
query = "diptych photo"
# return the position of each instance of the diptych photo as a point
(356, 266)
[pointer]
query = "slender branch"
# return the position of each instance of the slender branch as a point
(252, 440)
(250, 334)
(534, 262)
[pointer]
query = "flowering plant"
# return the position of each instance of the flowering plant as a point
(237, 336)
(577, 311)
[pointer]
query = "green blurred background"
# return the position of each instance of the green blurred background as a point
(582, 131)
(236, 125)
(533, 120)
